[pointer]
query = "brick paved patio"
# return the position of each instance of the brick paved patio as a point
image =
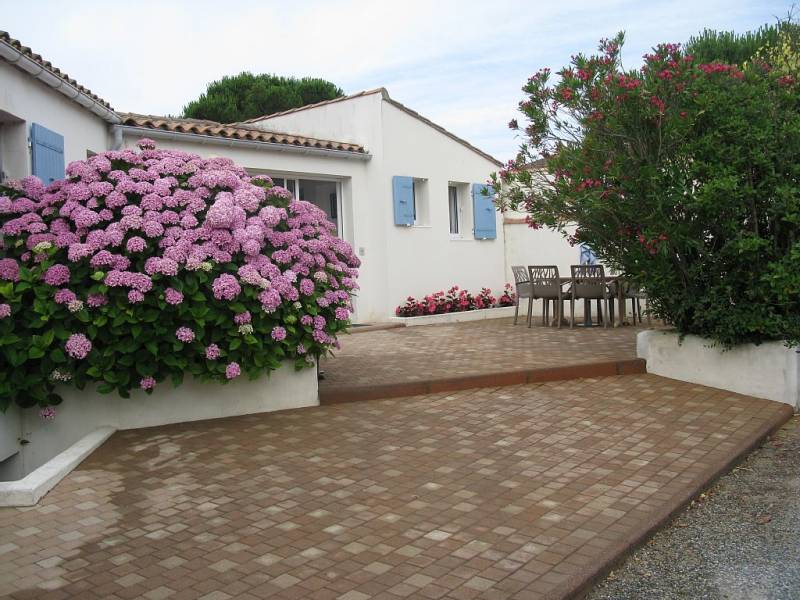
(516, 492)
(400, 358)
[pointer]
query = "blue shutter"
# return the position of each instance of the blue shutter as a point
(483, 211)
(403, 196)
(47, 154)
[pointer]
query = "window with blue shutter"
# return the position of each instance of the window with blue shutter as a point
(47, 154)
(403, 197)
(483, 211)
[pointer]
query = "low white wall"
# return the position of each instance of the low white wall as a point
(770, 370)
(459, 317)
(9, 432)
(86, 411)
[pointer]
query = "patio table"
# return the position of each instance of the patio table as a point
(587, 312)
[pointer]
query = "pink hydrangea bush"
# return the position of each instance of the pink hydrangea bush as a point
(143, 266)
(454, 300)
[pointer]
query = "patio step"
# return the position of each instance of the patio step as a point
(340, 395)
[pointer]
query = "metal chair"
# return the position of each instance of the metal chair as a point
(546, 285)
(589, 283)
(522, 285)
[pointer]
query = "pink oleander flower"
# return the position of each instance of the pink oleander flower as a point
(9, 269)
(242, 318)
(226, 287)
(173, 296)
(5, 311)
(184, 334)
(48, 413)
(212, 352)
(232, 370)
(78, 346)
(147, 383)
(278, 333)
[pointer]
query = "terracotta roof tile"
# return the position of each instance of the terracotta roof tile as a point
(37, 58)
(237, 131)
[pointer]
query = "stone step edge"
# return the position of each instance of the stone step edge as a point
(631, 366)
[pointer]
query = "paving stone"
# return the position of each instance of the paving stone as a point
(492, 493)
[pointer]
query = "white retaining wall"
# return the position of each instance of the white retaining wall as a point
(770, 370)
(83, 412)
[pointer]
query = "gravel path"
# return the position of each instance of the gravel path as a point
(739, 541)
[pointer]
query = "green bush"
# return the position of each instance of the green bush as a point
(684, 175)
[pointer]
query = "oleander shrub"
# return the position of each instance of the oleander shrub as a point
(683, 174)
(454, 300)
(145, 266)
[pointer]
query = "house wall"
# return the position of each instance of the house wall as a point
(25, 100)
(525, 246)
(398, 261)
(426, 258)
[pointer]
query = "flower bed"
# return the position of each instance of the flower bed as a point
(146, 266)
(454, 300)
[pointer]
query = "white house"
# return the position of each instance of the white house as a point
(405, 192)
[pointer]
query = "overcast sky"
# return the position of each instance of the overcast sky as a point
(459, 63)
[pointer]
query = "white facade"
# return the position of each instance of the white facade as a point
(25, 100)
(526, 246)
(399, 261)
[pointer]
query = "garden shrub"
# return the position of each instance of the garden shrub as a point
(143, 266)
(454, 300)
(682, 174)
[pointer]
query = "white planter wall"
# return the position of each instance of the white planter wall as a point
(86, 411)
(770, 370)
(460, 317)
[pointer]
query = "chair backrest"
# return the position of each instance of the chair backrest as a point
(545, 280)
(520, 274)
(588, 280)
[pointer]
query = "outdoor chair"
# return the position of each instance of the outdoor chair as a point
(522, 285)
(546, 285)
(589, 283)
(629, 292)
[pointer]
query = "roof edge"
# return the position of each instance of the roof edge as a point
(23, 58)
(380, 90)
(442, 130)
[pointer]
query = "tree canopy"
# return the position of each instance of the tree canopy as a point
(246, 96)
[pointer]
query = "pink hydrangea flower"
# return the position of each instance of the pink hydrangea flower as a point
(184, 334)
(5, 311)
(135, 296)
(147, 383)
(301, 349)
(48, 413)
(65, 296)
(9, 269)
(173, 296)
(57, 275)
(226, 287)
(278, 333)
(242, 318)
(78, 346)
(212, 352)
(232, 370)
(96, 300)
